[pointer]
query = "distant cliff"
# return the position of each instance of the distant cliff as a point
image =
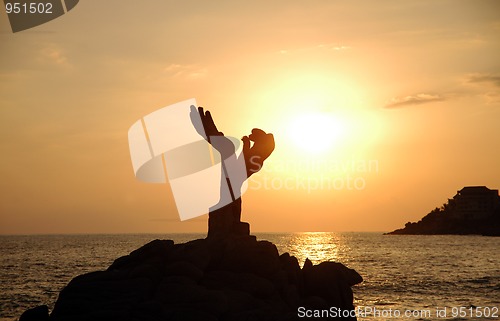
(473, 210)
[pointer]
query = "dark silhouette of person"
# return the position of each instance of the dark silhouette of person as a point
(257, 147)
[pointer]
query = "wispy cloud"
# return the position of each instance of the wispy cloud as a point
(186, 71)
(335, 47)
(418, 99)
(491, 97)
(484, 78)
(486, 86)
(54, 54)
(323, 47)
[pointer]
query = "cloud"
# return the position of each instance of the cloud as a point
(186, 71)
(479, 78)
(335, 47)
(53, 54)
(491, 97)
(418, 99)
(486, 86)
(323, 47)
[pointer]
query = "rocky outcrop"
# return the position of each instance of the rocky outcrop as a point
(232, 278)
(473, 210)
(430, 225)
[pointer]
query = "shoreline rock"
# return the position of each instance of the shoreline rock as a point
(234, 278)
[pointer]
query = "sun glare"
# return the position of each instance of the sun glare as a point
(315, 132)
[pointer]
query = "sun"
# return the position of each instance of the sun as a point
(315, 132)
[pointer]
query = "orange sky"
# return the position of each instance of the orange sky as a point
(412, 88)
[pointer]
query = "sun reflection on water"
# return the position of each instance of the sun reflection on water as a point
(316, 246)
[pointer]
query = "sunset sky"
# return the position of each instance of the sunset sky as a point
(381, 110)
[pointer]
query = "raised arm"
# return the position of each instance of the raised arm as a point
(211, 133)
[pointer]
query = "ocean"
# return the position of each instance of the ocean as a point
(441, 277)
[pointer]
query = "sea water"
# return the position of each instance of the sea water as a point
(405, 277)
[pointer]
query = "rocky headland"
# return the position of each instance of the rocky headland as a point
(231, 278)
(473, 210)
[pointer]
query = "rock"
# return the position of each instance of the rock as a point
(249, 255)
(314, 302)
(88, 296)
(191, 315)
(245, 282)
(193, 297)
(155, 252)
(183, 268)
(197, 252)
(290, 265)
(331, 282)
(40, 313)
(340, 271)
(145, 270)
(307, 265)
(231, 278)
(291, 295)
(179, 280)
(241, 301)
